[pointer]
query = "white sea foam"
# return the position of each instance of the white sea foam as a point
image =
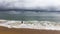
(32, 25)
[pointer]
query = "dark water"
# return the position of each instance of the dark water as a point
(30, 15)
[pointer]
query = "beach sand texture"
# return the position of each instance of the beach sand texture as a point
(5, 30)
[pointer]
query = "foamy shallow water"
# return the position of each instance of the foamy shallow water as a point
(31, 24)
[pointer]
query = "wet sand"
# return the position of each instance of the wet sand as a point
(5, 30)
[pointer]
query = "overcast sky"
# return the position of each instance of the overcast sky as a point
(30, 4)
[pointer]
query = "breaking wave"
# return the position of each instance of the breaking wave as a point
(31, 24)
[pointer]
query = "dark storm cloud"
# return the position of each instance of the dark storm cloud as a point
(30, 4)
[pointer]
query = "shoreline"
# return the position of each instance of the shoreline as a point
(47, 25)
(13, 30)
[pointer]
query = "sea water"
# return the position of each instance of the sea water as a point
(31, 19)
(30, 16)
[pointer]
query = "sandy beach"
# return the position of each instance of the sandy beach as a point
(5, 30)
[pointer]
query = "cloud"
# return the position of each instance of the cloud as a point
(31, 4)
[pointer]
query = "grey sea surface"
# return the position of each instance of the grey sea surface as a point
(30, 16)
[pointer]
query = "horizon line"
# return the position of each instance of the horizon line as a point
(37, 10)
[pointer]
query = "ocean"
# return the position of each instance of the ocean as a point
(31, 19)
(30, 16)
